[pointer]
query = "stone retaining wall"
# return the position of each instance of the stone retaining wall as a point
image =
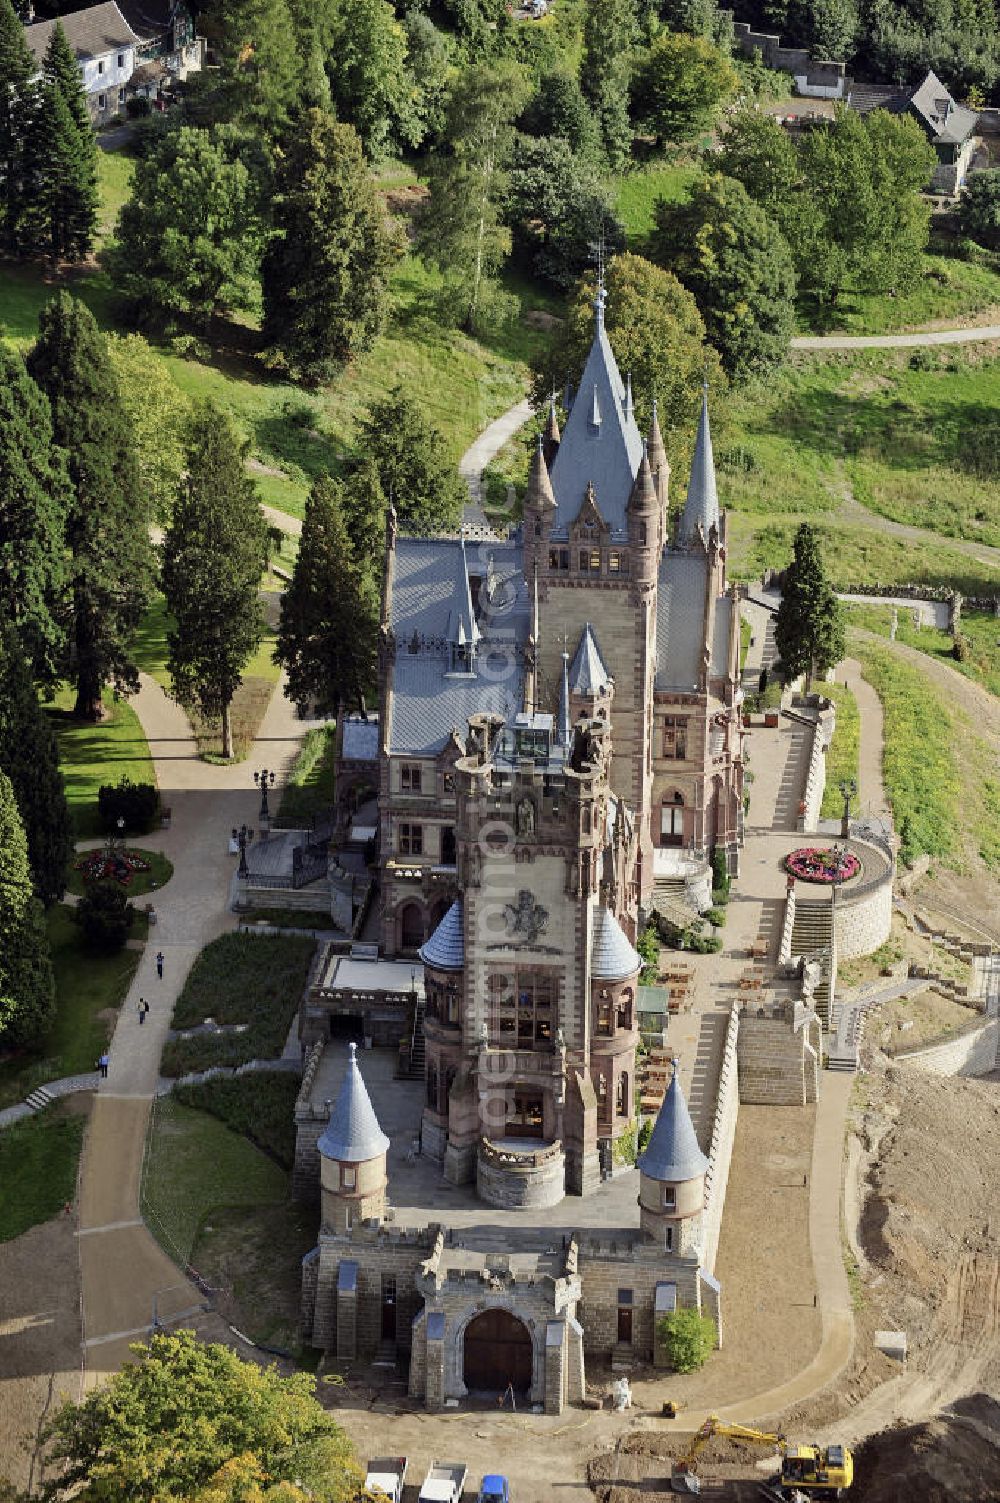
(822, 735)
(815, 78)
(720, 1153)
(779, 1058)
(864, 924)
(975, 1052)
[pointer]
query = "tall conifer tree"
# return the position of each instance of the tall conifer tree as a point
(27, 988)
(329, 613)
(61, 219)
(809, 624)
(18, 101)
(29, 755)
(61, 68)
(325, 275)
(213, 555)
(34, 500)
(108, 525)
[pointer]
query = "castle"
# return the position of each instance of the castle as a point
(559, 734)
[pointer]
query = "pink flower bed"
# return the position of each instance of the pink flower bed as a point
(98, 866)
(817, 864)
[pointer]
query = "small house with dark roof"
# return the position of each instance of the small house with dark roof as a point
(949, 127)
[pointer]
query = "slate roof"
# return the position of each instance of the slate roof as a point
(352, 1134)
(431, 609)
(91, 33)
(672, 1153)
(702, 505)
(360, 742)
(445, 950)
(588, 673)
(680, 609)
(612, 958)
(945, 121)
(605, 452)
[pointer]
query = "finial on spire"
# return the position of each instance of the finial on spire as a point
(629, 404)
(352, 1050)
(600, 302)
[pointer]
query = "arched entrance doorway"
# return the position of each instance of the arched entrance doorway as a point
(497, 1353)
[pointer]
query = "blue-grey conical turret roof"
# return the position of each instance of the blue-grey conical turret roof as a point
(445, 950)
(588, 673)
(701, 509)
(612, 958)
(672, 1153)
(352, 1134)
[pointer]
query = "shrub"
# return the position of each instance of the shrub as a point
(648, 947)
(716, 917)
(138, 804)
(702, 944)
(260, 1105)
(960, 648)
(138, 108)
(689, 1338)
(645, 1133)
(624, 1148)
(720, 870)
(105, 915)
(720, 896)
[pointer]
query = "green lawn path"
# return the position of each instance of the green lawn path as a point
(91, 755)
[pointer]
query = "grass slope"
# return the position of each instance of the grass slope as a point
(38, 1160)
(842, 757)
(310, 785)
(980, 631)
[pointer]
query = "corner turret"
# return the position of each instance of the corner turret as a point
(672, 1178)
(352, 1150)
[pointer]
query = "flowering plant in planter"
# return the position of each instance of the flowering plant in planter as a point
(100, 866)
(817, 864)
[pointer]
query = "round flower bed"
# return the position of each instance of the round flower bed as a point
(822, 864)
(100, 866)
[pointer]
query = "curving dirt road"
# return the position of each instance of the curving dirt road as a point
(895, 341)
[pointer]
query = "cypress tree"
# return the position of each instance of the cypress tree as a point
(107, 530)
(34, 499)
(809, 625)
(213, 555)
(62, 217)
(27, 988)
(325, 275)
(18, 99)
(28, 753)
(329, 613)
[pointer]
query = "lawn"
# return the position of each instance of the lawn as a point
(257, 979)
(948, 289)
(38, 1162)
(159, 874)
(638, 192)
(919, 762)
(90, 987)
(842, 757)
(115, 171)
(248, 708)
(93, 755)
(261, 1106)
(196, 1165)
(310, 785)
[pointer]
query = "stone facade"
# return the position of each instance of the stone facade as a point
(974, 1052)
(863, 923)
(779, 1056)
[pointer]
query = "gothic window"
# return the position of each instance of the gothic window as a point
(672, 820)
(411, 839)
(668, 1239)
(558, 558)
(448, 846)
(410, 777)
(590, 560)
(617, 563)
(411, 926)
(605, 1018)
(621, 1095)
(675, 737)
(642, 534)
(348, 1177)
(586, 821)
(669, 1198)
(522, 1008)
(450, 1011)
(448, 782)
(624, 1019)
(538, 529)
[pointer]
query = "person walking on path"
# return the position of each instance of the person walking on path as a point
(159, 964)
(102, 1065)
(143, 1009)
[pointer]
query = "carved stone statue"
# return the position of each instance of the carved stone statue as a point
(525, 817)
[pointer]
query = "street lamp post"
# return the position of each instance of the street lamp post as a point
(264, 780)
(848, 789)
(243, 836)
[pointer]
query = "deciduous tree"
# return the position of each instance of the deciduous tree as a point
(171, 1422)
(27, 988)
(737, 264)
(29, 756)
(259, 77)
(214, 553)
(758, 152)
(461, 227)
(558, 108)
(325, 274)
(187, 244)
(107, 527)
(366, 64)
(558, 208)
(657, 334)
(679, 86)
(157, 412)
(979, 209)
(329, 613)
(609, 34)
(34, 500)
(809, 625)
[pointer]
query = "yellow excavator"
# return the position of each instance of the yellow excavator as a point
(807, 1472)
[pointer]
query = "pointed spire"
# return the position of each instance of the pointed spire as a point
(550, 438)
(539, 493)
(595, 411)
(463, 630)
(658, 461)
(353, 1134)
(673, 1152)
(701, 508)
(565, 729)
(643, 497)
(589, 675)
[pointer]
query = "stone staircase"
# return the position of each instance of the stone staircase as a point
(39, 1099)
(418, 1051)
(672, 901)
(812, 937)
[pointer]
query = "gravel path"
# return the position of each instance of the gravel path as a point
(478, 455)
(895, 341)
